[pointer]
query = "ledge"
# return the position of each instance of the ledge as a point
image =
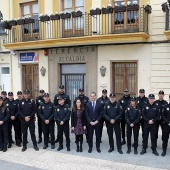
(167, 33)
(75, 41)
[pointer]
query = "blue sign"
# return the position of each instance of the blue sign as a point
(29, 57)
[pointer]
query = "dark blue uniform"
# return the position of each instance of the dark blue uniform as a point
(64, 96)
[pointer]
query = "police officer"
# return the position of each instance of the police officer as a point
(142, 100)
(160, 103)
(67, 101)
(46, 114)
(132, 117)
(11, 104)
(39, 100)
(4, 95)
(151, 115)
(62, 116)
(124, 102)
(4, 117)
(165, 127)
(104, 100)
(27, 110)
(112, 115)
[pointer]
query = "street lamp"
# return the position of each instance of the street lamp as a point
(3, 34)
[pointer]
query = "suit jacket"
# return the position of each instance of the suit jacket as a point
(74, 118)
(96, 115)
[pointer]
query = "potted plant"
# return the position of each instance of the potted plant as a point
(107, 10)
(55, 16)
(119, 8)
(29, 20)
(148, 9)
(12, 22)
(132, 6)
(96, 11)
(76, 14)
(6, 25)
(65, 15)
(164, 7)
(44, 17)
(20, 21)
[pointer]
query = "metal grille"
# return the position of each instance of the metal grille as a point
(72, 83)
(30, 79)
(125, 76)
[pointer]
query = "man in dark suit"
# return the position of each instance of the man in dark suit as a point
(94, 115)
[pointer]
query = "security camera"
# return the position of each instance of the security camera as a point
(13, 53)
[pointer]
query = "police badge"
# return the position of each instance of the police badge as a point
(108, 107)
(58, 110)
(147, 108)
(7, 104)
(42, 107)
(39, 101)
(22, 103)
(122, 101)
(128, 108)
(167, 108)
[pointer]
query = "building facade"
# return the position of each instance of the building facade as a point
(124, 48)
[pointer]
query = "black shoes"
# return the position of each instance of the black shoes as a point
(45, 147)
(155, 153)
(60, 148)
(39, 141)
(135, 151)
(9, 145)
(57, 140)
(78, 148)
(18, 144)
(128, 151)
(90, 150)
(163, 153)
(5, 149)
(120, 151)
(111, 150)
(98, 150)
(52, 146)
(123, 141)
(1, 149)
(68, 149)
(13, 141)
(24, 148)
(143, 151)
(36, 148)
(81, 148)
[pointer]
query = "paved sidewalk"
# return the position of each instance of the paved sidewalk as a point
(14, 159)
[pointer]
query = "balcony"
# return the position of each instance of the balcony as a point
(84, 29)
(165, 8)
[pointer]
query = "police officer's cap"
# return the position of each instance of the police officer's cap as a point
(46, 95)
(112, 95)
(126, 90)
(81, 90)
(10, 93)
(19, 92)
(104, 91)
(4, 92)
(151, 96)
(60, 98)
(61, 86)
(161, 92)
(1, 98)
(133, 98)
(26, 92)
(142, 91)
(42, 91)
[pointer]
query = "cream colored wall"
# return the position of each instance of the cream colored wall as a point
(117, 53)
(96, 3)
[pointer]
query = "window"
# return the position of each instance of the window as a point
(5, 70)
(30, 9)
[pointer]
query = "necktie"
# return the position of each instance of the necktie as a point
(93, 106)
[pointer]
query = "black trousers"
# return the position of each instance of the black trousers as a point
(135, 130)
(123, 124)
(39, 128)
(3, 135)
(64, 129)
(165, 135)
(117, 130)
(48, 129)
(31, 125)
(152, 129)
(17, 129)
(91, 129)
(79, 139)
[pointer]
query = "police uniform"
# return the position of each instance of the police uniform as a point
(3, 94)
(46, 112)
(113, 111)
(165, 127)
(4, 116)
(150, 112)
(62, 113)
(141, 102)
(27, 108)
(132, 116)
(12, 106)
(103, 101)
(124, 102)
(39, 100)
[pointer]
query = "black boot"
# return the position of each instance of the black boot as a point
(39, 141)
(36, 148)
(128, 151)
(143, 151)
(164, 152)
(24, 148)
(60, 147)
(111, 149)
(123, 141)
(9, 145)
(78, 148)
(135, 151)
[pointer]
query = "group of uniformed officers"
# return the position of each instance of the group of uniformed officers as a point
(123, 117)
